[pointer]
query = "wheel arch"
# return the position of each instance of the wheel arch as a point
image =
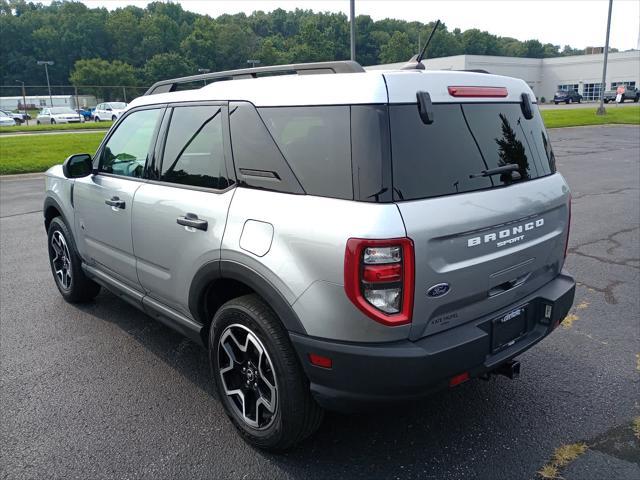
(51, 210)
(222, 280)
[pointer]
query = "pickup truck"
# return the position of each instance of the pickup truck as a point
(628, 93)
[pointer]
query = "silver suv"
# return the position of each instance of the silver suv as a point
(334, 237)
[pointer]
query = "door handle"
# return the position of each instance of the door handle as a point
(192, 220)
(115, 202)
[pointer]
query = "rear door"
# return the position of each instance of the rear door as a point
(482, 242)
(103, 201)
(179, 216)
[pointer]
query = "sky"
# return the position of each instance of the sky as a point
(579, 23)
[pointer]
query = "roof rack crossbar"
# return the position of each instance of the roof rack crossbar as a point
(346, 66)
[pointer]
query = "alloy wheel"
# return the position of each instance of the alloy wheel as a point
(248, 377)
(62, 260)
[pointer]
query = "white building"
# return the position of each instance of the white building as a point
(547, 75)
(40, 101)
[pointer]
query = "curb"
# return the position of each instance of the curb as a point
(20, 176)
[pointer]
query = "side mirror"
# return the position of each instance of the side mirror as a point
(77, 166)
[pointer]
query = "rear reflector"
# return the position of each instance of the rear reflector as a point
(320, 361)
(478, 91)
(382, 273)
(458, 379)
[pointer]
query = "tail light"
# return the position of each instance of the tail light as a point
(478, 91)
(379, 278)
(566, 244)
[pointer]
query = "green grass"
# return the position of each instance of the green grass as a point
(574, 117)
(62, 126)
(36, 153)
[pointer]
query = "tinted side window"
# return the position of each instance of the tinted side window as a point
(316, 143)
(194, 148)
(126, 151)
(258, 162)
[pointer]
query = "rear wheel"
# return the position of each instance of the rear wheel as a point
(66, 267)
(569, 101)
(53, 122)
(96, 119)
(555, 103)
(258, 376)
(113, 118)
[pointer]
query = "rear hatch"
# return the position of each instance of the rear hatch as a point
(482, 243)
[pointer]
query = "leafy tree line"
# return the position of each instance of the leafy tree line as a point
(138, 46)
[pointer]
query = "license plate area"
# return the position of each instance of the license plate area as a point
(508, 328)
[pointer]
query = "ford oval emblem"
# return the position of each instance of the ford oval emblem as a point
(439, 290)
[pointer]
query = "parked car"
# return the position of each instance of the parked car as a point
(6, 120)
(567, 97)
(86, 113)
(271, 225)
(59, 115)
(19, 118)
(109, 111)
(626, 92)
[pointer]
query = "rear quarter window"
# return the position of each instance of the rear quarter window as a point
(316, 144)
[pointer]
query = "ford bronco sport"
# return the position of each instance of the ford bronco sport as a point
(334, 237)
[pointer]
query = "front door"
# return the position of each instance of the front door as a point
(104, 200)
(179, 219)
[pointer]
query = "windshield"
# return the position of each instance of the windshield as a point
(449, 155)
(62, 111)
(117, 105)
(2, 114)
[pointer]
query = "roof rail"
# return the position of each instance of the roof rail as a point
(346, 66)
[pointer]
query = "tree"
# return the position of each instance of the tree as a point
(398, 49)
(103, 76)
(167, 65)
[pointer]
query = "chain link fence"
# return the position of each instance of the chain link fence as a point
(32, 98)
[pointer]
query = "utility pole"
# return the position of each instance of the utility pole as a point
(46, 71)
(353, 29)
(24, 102)
(601, 110)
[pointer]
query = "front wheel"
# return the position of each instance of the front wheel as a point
(53, 122)
(259, 379)
(66, 267)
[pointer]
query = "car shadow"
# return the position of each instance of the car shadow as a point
(447, 429)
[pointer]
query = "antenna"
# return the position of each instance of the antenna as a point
(424, 50)
(419, 66)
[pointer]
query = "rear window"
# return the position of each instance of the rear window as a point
(464, 139)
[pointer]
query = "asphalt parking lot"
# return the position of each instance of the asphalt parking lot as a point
(102, 391)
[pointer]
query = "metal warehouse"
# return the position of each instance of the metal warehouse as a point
(545, 76)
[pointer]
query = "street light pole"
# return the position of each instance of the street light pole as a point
(601, 110)
(46, 71)
(24, 102)
(353, 28)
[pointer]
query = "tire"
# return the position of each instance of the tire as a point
(555, 103)
(73, 284)
(289, 413)
(606, 101)
(635, 100)
(96, 119)
(37, 122)
(113, 118)
(53, 122)
(568, 101)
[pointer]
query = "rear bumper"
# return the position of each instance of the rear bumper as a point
(368, 374)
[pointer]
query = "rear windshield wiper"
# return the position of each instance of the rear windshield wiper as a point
(511, 167)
